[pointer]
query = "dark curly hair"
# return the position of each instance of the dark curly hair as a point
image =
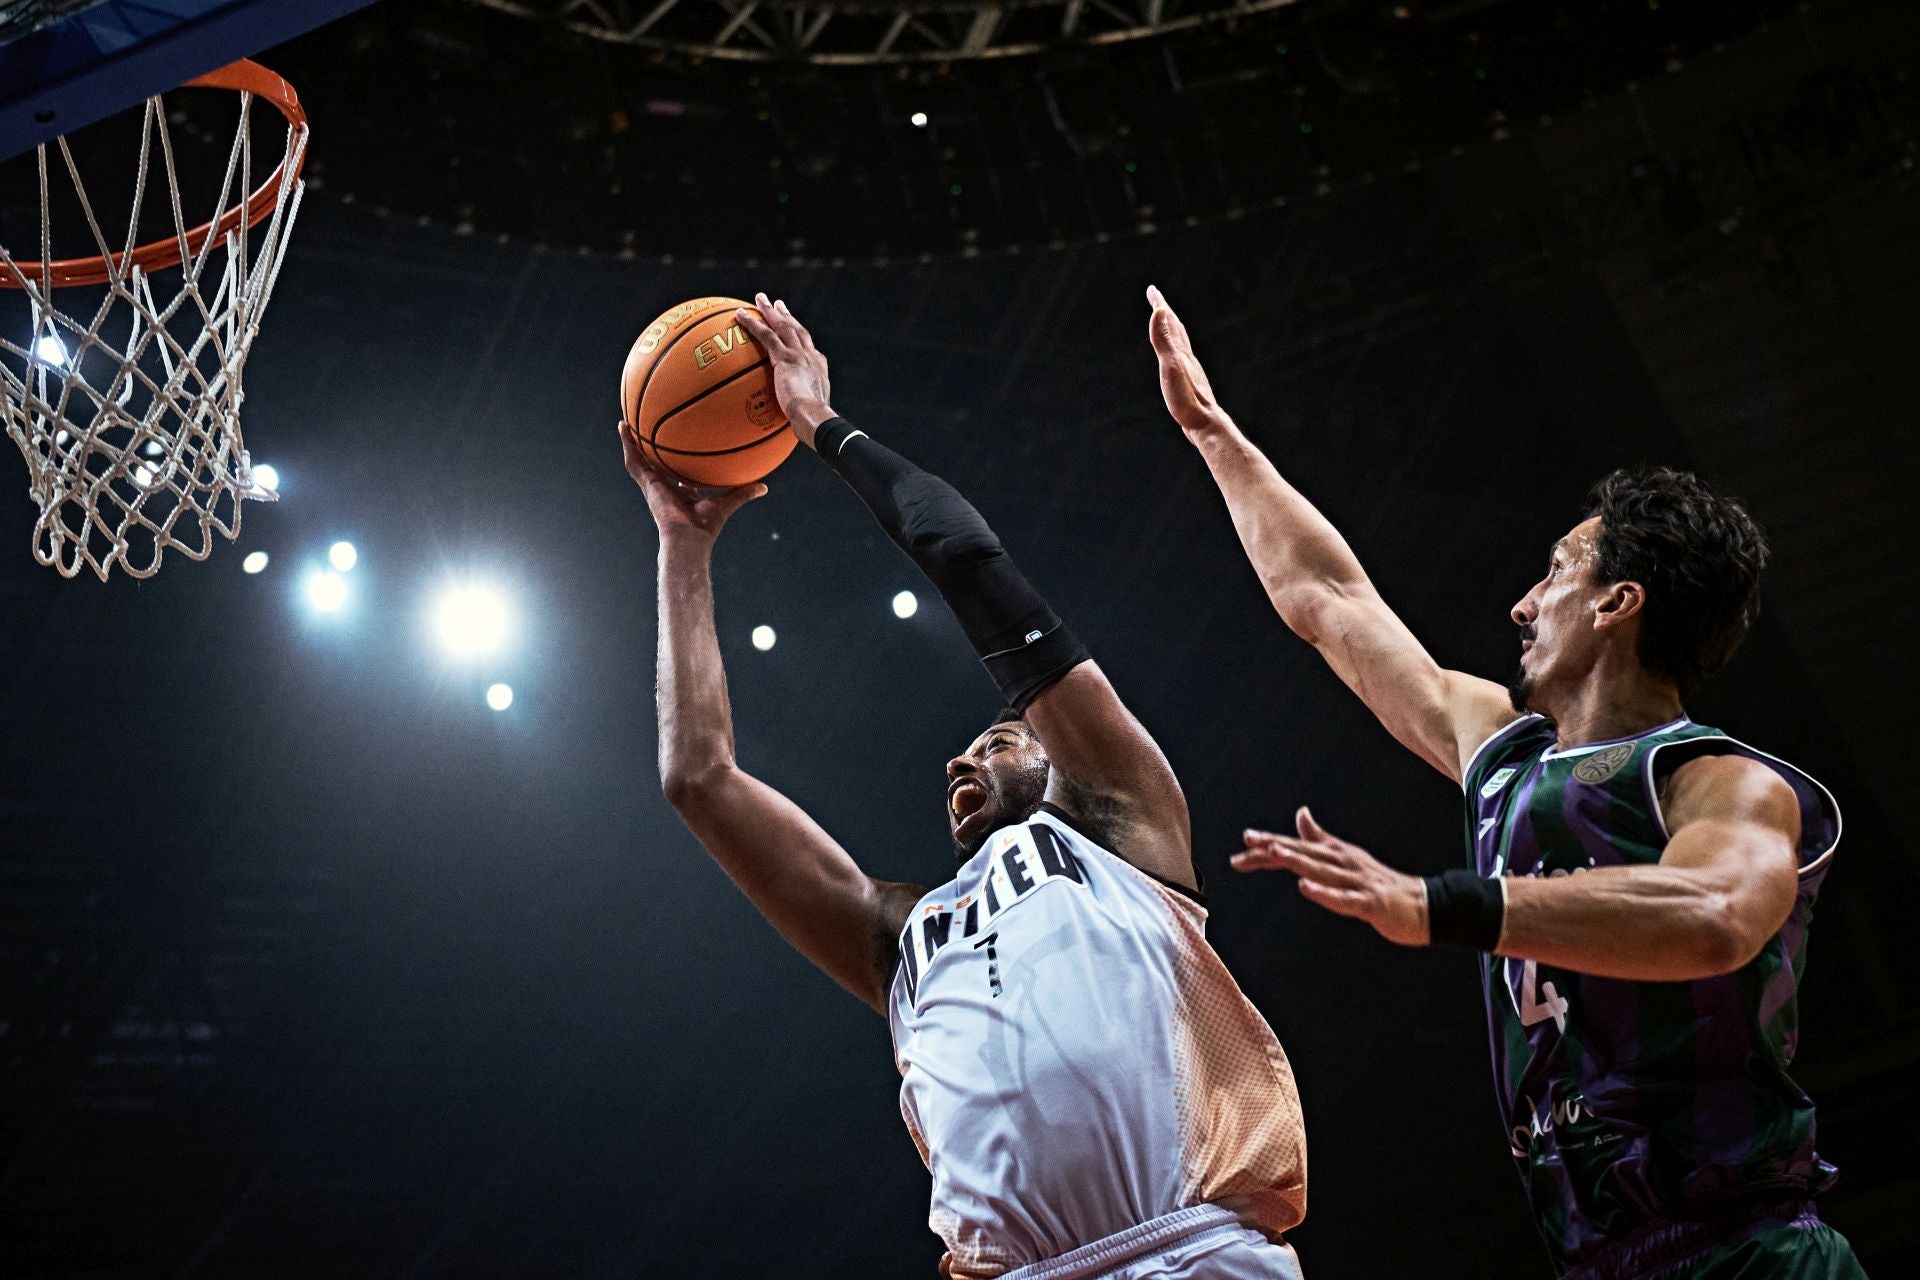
(1698, 554)
(1009, 715)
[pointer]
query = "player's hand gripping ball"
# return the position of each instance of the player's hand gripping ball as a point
(697, 397)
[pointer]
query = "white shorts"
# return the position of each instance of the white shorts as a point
(1206, 1242)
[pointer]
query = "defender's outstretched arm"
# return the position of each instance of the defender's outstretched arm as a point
(1315, 581)
(802, 881)
(1724, 885)
(1106, 770)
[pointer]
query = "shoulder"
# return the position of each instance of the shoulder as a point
(1729, 786)
(1525, 735)
(1079, 829)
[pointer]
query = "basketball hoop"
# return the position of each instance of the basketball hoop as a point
(135, 448)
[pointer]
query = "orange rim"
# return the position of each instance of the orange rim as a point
(241, 77)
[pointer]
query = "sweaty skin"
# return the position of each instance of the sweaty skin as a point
(1726, 880)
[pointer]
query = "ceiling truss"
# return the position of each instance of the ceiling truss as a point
(867, 32)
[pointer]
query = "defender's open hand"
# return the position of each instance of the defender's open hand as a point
(800, 380)
(1343, 878)
(679, 506)
(1183, 383)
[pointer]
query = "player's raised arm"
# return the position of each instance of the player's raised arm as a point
(799, 877)
(1315, 581)
(1106, 770)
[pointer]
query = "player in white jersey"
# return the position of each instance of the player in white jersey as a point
(1089, 1088)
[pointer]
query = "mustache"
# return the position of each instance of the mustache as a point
(1527, 631)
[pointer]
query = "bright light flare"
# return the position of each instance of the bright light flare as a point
(763, 637)
(326, 591)
(905, 604)
(919, 119)
(267, 477)
(471, 619)
(499, 696)
(49, 350)
(343, 556)
(254, 563)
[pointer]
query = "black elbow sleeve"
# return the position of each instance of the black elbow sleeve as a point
(1023, 644)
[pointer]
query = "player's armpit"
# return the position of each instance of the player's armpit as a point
(806, 885)
(1109, 773)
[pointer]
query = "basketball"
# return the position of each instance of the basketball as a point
(697, 394)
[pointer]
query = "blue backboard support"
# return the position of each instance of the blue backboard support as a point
(100, 58)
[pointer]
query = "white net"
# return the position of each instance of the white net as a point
(125, 396)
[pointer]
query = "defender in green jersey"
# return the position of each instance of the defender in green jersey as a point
(1641, 885)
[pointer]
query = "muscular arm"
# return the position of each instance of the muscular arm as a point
(1316, 583)
(1724, 885)
(799, 877)
(1106, 770)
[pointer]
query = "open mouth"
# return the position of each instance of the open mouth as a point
(964, 799)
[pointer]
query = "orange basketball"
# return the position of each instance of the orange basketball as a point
(697, 394)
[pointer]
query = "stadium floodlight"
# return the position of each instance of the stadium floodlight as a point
(48, 349)
(905, 604)
(267, 477)
(763, 637)
(343, 556)
(326, 591)
(254, 563)
(499, 696)
(471, 619)
(919, 119)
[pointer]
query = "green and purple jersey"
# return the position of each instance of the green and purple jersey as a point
(1629, 1104)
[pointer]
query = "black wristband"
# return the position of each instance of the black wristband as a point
(1465, 910)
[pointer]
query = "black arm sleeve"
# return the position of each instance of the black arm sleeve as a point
(1023, 645)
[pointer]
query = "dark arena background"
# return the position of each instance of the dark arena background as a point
(313, 965)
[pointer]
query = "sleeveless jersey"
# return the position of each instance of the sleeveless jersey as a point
(1075, 1060)
(1628, 1102)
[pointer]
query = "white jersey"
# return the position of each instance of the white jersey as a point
(1076, 1060)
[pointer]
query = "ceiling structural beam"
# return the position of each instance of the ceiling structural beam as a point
(592, 7)
(894, 28)
(811, 34)
(738, 20)
(916, 30)
(653, 15)
(980, 34)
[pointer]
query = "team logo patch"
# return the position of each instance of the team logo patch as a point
(1602, 765)
(1500, 779)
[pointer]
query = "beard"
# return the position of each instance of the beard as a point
(1520, 688)
(1520, 692)
(1016, 798)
